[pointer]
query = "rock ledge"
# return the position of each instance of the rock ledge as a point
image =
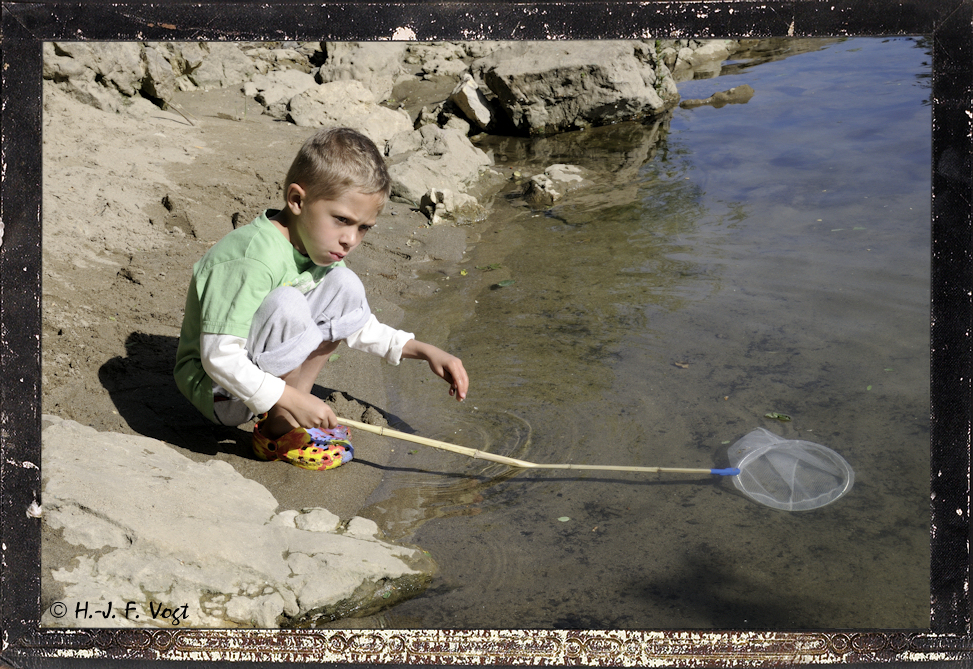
(201, 542)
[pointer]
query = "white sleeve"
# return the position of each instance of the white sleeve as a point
(380, 339)
(225, 360)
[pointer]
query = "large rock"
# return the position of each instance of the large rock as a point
(377, 65)
(438, 59)
(434, 158)
(348, 103)
(277, 88)
(701, 59)
(112, 75)
(160, 78)
(547, 87)
(159, 532)
(224, 65)
(184, 58)
(471, 101)
(119, 64)
(102, 75)
(283, 59)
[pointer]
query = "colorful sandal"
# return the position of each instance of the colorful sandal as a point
(312, 448)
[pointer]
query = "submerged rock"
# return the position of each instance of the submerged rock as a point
(156, 531)
(440, 204)
(549, 187)
(735, 96)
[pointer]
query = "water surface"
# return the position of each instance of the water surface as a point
(764, 257)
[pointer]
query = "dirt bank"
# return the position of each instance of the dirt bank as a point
(131, 201)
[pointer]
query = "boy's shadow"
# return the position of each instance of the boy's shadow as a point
(145, 394)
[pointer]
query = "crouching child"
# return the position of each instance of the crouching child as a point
(271, 301)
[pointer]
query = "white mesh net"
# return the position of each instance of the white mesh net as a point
(789, 474)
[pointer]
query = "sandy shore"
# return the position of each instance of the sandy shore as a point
(130, 203)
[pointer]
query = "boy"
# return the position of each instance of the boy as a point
(272, 300)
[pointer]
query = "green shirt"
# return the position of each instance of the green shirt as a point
(229, 283)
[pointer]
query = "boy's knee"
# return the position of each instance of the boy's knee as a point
(282, 304)
(285, 297)
(339, 304)
(347, 283)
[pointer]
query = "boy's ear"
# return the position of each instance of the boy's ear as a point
(294, 198)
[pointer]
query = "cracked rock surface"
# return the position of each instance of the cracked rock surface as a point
(163, 533)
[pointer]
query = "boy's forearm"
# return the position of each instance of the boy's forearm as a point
(417, 350)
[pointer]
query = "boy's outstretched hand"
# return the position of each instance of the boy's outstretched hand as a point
(447, 367)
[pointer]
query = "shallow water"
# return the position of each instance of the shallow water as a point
(765, 257)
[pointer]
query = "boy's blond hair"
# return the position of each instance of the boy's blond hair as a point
(335, 160)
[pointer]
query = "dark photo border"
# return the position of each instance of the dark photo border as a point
(26, 25)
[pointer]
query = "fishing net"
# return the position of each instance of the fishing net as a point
(789, 474)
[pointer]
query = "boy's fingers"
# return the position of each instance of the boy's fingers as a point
(453, 373)
(460, 383)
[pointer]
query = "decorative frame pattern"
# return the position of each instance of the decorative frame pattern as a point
(492, 647)
(25, 26)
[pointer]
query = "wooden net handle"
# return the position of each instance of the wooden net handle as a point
(513, 462)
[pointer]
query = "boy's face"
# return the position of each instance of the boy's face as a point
(328, 230)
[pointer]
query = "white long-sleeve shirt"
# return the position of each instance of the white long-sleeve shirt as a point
(225, 360)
